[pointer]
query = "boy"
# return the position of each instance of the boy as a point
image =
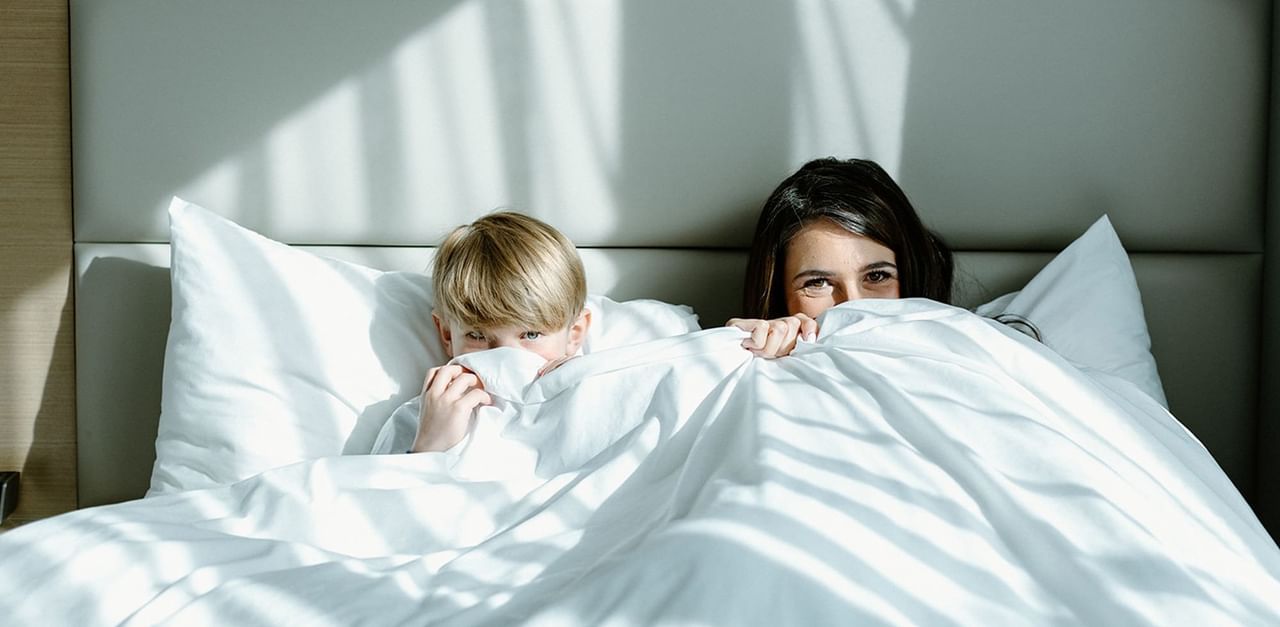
(504, 280)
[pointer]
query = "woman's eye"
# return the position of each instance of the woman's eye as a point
(816, 285)
(878, 276)
(531, 335)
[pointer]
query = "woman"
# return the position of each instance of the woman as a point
(832, 232)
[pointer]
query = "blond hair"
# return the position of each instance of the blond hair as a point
(508, 269)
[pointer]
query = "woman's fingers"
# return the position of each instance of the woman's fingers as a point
(759, 330)
(808, 327)
(760, 334)
(775, 338)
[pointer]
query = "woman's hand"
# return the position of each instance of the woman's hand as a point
(777, 337)
(450, 396)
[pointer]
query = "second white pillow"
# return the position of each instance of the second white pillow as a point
(1087, 307)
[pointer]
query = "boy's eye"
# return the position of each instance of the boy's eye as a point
(475, 336)
(530, 335)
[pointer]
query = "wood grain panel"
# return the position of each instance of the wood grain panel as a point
(37, 378)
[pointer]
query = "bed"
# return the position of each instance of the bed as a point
(650, 133)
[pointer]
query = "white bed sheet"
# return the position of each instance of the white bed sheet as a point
(916, 465)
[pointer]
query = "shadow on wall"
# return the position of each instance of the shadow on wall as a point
(706, 114)
(42, 490)
(1039, 116)
(122, 323)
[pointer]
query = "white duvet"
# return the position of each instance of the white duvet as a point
(917, 465)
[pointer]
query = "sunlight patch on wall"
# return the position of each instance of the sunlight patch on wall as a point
(574, 139)
(323, 139)
(218, 188)
(451, 151)
(493, 104)
(850, 80)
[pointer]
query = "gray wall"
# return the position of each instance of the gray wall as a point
(1012, 123)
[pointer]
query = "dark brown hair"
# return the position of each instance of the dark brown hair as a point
(860, 197)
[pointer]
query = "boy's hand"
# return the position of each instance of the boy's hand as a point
(775, 338)
(450, 396)
(553, 364)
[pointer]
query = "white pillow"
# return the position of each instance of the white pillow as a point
(1087, 307)
(276, 355)
(616, 324)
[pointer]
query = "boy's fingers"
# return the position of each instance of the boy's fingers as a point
(426, 381)
(463, 383)
(443, 377)
(475, 398)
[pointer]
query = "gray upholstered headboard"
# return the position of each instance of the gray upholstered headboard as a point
(650, 132)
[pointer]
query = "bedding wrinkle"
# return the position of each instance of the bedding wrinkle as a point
(563, 571)
(1170, 437)
(1034, 544)
(719, 487)
(907, 500)
(1084, 399)
(704, 566)
(232, 562)
(647, 500)
(860, 526)
(996, 503)
(1117, 448)
(859, 454)
(650, 497)
(792, 548)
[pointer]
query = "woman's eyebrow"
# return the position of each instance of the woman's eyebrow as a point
(877, 265)
(813, 273)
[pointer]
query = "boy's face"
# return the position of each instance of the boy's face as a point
(547, 343)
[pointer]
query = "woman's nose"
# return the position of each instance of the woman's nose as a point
(846, 292)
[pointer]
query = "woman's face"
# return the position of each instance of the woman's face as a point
(827, 265)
